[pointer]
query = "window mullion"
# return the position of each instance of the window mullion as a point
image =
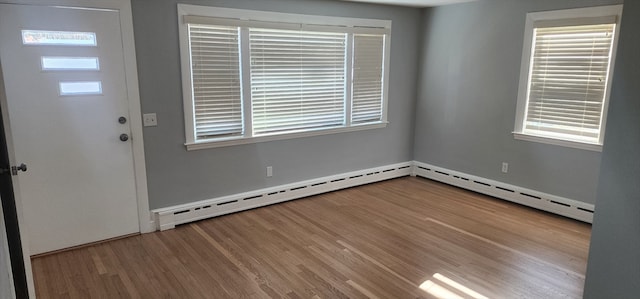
(245, 74)
(348, 79)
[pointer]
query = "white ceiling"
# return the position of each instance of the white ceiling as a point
(414, 3)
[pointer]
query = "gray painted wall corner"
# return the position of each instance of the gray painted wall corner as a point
(468, 85)
(613, 270)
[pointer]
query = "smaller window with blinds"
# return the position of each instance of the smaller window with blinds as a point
(566, 76)
(215, 75)
(253, 76)
(368, 59)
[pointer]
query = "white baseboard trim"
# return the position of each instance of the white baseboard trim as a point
(535, 199)
(168, 218)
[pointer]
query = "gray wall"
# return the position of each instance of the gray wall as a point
(614, 258)
(176, 176)
(467, 97)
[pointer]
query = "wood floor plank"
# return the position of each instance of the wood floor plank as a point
(382, 240)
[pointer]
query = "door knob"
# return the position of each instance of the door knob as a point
(122, 120)
(22, 167)
(124, 137)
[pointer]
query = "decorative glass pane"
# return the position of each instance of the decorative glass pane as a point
(70, 63)
(80, 88)
(62, 38)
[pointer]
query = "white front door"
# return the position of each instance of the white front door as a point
(68, 110)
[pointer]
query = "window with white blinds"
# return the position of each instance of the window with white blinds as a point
(253, 76)
(215, 72)
(297, 80)
(568, 79)
(368, 53)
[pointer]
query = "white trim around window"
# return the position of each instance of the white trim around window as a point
(246, 58)
(550, 103)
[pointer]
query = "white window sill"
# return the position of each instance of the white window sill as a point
(566, 143)
(198, 145)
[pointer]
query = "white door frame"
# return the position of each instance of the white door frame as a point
(24, 242)
(145, 220)
(6, 281)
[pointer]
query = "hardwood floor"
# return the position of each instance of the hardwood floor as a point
(403, 238)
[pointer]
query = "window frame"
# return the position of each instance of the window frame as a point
(285, 20)
(567, 17)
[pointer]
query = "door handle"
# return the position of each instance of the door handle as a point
(14, 169)
(124, 137)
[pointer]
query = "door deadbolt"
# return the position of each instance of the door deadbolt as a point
(122, 120)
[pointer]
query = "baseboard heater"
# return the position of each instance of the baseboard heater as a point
(168, 218)
(542, 201)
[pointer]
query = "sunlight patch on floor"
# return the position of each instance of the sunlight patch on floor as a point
(441, 288)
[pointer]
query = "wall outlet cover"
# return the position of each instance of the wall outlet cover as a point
(269, 171)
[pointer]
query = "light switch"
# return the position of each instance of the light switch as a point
(149, 120)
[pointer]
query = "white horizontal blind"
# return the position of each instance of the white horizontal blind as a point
(215, 72)
(297, 80)
(368, 53)
(568, 81)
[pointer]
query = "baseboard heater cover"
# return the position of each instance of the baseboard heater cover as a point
(168, 218)
(542, 201)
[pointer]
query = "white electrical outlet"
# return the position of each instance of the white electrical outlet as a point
(505, 167)
(149, 120)
(269, 171)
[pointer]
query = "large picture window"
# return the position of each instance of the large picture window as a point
(278, 76)
(566, 77)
